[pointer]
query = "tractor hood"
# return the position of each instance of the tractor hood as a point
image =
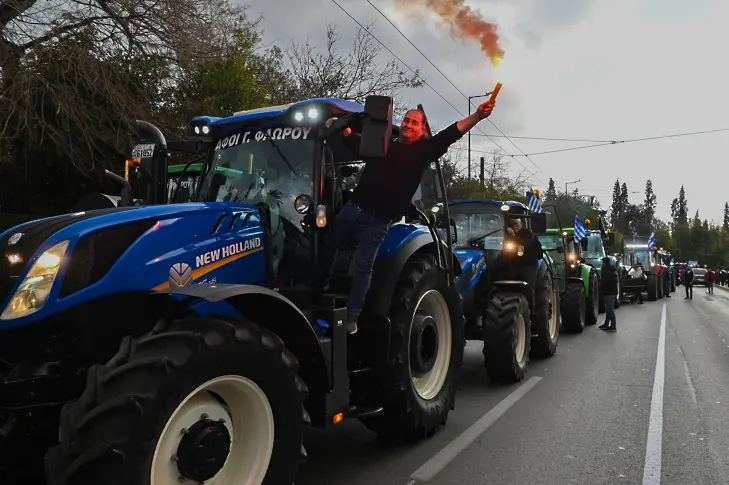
(119, 249)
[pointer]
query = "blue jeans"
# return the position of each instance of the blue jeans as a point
(367, 230)
(610, 310)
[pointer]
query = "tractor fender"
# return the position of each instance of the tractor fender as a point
(387, 269)
(270, 309)
(515, 286)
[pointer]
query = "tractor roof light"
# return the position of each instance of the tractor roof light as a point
(505, 207)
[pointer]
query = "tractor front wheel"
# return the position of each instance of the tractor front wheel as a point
(203, 399)
(546, 318)
(507, 337)
(593, 299)
(427, 342)
(573, 307)
(652, 287)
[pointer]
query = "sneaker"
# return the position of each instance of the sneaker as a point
(603, 326)
(352, 324)
(611, 329)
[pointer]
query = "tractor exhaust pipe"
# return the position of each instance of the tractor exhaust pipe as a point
(126, 191)
(157, 170)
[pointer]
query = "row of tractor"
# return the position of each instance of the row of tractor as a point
(150, 342)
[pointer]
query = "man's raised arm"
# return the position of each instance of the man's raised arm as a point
(440, 143)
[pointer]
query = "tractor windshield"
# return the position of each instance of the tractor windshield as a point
(592, 247)
(634, 258)
(261, 171)
(479, 224)
(550, 242)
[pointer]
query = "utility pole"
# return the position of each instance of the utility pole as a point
(570, 183)
(483, 161)
(469, 131)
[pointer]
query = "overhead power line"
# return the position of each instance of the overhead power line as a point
(455, 87)
(429, 86)
(545, 138)
(632, 140)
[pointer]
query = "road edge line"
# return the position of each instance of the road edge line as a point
(654, 442)
(447, 454)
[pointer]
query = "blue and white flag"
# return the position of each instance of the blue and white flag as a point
(580, 232)
(533, 202)
(652, 241)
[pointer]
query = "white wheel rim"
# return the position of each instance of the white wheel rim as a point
(248, 419)
(520, 338)
(430, 383)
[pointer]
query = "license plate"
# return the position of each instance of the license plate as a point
(143, 151)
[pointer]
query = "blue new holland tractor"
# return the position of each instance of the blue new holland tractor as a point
(512, 307)
(157, 343)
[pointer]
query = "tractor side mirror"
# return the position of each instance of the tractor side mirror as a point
(610, 239)
(539, 223)
(376, 127)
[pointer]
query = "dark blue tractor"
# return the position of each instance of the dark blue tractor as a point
(512, 307)
(156, 343)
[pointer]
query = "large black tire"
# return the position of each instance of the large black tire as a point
(502, 335)
(673, 281)
(545, 319)
(601, 307)
(109, 435)
(407, 415)
(652, 287)
(660, 293)
(573, 307)
(593, 299)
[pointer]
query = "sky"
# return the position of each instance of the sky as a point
(579, 69)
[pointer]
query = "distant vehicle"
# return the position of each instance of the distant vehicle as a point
(700, 276)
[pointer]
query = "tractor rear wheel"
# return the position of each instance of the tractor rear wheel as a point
(652, 287)
(573, 307)
(427, 343)
(546, 318)
(593, 299)
(201, 398)
(507, 337)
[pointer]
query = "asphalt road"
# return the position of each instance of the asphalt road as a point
(647, 404)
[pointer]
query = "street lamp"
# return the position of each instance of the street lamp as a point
(469, 131)
(570, 183)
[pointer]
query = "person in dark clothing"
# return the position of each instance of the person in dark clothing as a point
(525, 265)
(610, 291)
(384, 193)
(688, 281)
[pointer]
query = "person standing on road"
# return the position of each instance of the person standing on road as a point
(688, 280)
(709, 281)
(610, 291)
(383, 195)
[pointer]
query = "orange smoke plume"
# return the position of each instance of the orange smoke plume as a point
(464, 23)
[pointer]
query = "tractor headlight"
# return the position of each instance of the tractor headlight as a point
(33, 291)
(520, 250)
(509, 246)
(572, 257)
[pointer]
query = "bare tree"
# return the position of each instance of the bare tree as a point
(362, 71)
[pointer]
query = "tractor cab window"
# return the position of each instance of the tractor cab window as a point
(592, 248)
(480, 224)
(550, 242)
(272, 174)
(635, 258)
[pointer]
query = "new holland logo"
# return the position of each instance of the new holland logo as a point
(180, 274)
(15, 239)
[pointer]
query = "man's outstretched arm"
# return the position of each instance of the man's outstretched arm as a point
(440, 143)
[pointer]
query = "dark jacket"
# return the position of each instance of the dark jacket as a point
(689, 276)
(609, 280)
(533, 250)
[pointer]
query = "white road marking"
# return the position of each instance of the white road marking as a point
(654, 444)
(441, 459)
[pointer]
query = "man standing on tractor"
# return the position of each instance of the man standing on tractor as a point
(383, 195)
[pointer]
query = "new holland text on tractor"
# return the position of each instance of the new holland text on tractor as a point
(512, 307)
(157, 344)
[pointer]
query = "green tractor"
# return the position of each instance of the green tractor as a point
(569, 274)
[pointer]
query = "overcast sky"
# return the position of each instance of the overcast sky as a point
(592, 69)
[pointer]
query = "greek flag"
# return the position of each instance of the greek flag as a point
(580, 232)
(652, 241)
(533, 202)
